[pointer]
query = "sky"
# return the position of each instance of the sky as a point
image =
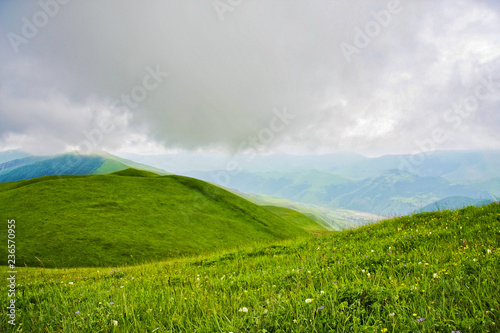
(235, 76)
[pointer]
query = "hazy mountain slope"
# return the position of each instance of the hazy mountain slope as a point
(455, 202)
(309, 186)
(331, 219)
(66, 164)
(452, 165)
(393, 192)
(13, 154)
(8, 166)
(128, 217)
(397, 193)
(185, 162)
(491, 185)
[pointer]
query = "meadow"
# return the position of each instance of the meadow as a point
(428, 272)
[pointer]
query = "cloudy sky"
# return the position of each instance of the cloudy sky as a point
(310, 76)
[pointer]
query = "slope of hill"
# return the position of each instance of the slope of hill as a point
(307, 223)
(129, 217)
(429, 272)
(66, 164)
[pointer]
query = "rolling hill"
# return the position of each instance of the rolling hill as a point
(133, 216)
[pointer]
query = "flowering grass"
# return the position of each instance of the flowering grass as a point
(430, 272)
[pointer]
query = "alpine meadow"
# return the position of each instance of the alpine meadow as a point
(243, 166)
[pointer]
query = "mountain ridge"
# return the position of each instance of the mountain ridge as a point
(66, 164)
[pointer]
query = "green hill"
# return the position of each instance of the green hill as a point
(129, 217)
(302, 220)
(428, 272)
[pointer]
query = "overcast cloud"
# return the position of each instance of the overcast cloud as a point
(215, 73)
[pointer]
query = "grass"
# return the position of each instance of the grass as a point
(429, 272)
(129, 217)
(302, 220)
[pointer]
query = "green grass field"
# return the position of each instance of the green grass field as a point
(430, 272)
(132, 216)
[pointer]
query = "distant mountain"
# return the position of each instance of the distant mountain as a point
(455, 202)
(187, 162)
(396, 192)
(66, 164)
(329, 218)
(10, 155)
(8, 166)
(491, 185)
(134, 216)
(455, 166)
(392, 192)
(308, 186)
(452, 165)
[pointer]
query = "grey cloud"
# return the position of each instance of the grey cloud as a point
(227, 76)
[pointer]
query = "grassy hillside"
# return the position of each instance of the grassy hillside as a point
(293, 216)
(430, 272)
(129, 217)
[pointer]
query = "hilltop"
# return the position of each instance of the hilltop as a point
(133, 216)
